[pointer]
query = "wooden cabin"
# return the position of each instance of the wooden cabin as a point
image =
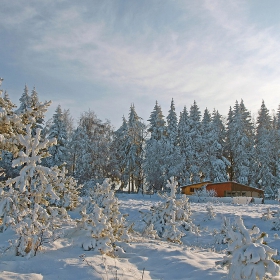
(225, 189)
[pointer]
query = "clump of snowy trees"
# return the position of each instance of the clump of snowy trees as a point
(170, 218)
(101, 220)
(248, 257)
(34, 202)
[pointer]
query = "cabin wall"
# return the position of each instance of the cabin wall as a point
(220, 188)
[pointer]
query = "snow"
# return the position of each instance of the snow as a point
(143, 257)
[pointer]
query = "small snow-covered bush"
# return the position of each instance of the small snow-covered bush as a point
(203, 192)
(101, 219)
(221, 236)
(150, 232)
(276, 221)
(210, 212)
(267, 215)
(171, 217)
(248, 257)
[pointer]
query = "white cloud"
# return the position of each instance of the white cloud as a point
(213, 54)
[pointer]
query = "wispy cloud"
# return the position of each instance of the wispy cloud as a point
(208, 50)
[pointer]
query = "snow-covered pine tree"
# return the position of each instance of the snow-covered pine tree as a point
(221, 236)
(10, 124)
(267, 215)
(170, 217)
(219, 164)
(276, 221)
(276, 153)
(25, 204)
(31, 110)
(264, 151)
(118, 155)
(249, 130)
(241, 145)
(173, 159)
(24, 101)
(13, 122)
(134, 151)
(248, 258)
(196, 143)
(90, 148)
(33, 102)
(66, 188)
(206, 150)
(229, 144)
(185, 147)
(102, 220)
(155, 151)
(210, 212)
(58, 130)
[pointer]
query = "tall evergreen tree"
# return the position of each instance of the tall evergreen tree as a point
(134, 153)
(195, 143)
(25, 101)
(264, 151)
(184, 146)
(206, 150)
(219, 164)
(118, 154)
(241, 142)
(59, 151)
(229, 144)
(173, 160)
(155, 150)
(276, 152)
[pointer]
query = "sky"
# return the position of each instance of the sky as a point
(106, 55)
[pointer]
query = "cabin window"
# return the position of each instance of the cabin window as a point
(191, 189)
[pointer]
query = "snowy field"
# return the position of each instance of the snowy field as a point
(142, 258)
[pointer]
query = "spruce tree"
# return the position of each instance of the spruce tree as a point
(185, 147)
(196, 143)
(264, 151)
(57, 130)
(206, 150)
(173, 160)
(118, 155)
(155, 150)
(219, 164)
(134, 152)
(240, 145)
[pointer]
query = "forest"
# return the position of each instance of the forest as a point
(138, 156)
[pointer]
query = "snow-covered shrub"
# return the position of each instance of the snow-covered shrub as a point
(171, 217)
(267, 215)
(25, 205)
(203, 193)
(210, 212)
(150, 232)
(276, 221)
(66, 189)
(221, 236)
(102, 220)
(248, 257)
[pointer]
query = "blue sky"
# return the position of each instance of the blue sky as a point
(105, 55)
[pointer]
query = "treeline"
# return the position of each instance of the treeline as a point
(193, 147)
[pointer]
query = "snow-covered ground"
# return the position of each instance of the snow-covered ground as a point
(142, 258)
